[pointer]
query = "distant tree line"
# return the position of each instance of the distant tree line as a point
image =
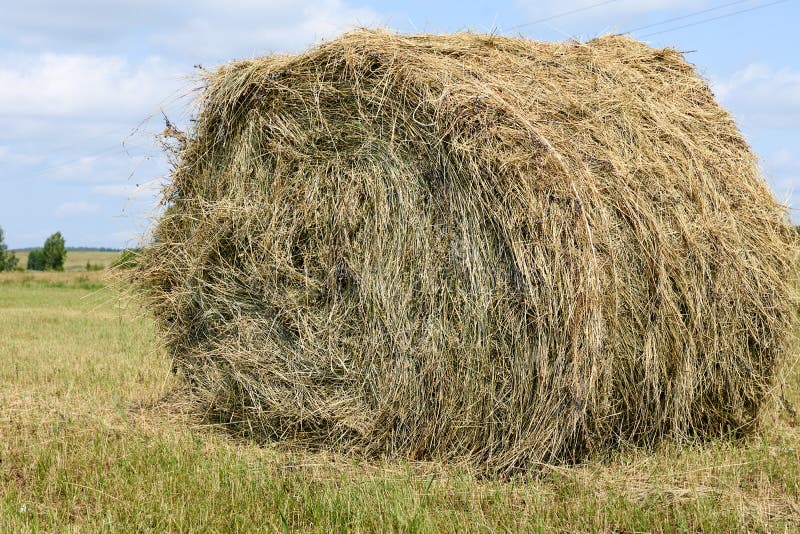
(53, 254)
(76, 249)
(93, 249)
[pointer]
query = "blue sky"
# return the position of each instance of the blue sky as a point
(83, 84)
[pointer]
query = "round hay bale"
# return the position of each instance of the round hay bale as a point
(471, 248)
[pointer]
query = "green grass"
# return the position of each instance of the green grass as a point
(84, 445)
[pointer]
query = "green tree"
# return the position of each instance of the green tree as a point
(36, 260)
(3, 251)
(11, 261)
(8, 260)
(54, 252)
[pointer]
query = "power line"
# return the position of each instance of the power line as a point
(710, 19)
(682, 17)
(564, 14)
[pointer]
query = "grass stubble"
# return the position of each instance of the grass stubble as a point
(87, 443)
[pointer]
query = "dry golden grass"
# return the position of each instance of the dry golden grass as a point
(55, 278)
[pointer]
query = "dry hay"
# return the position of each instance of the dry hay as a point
(471, 248)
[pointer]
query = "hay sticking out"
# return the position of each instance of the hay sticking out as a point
(471, 248)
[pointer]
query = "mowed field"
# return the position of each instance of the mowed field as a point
(77, 259)
(87, 443)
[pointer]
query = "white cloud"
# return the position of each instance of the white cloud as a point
(784, 160)
(48, 22)
(78, 170)
(76, 77)
(762, 96)
(12, 157)
(83, 86)
(247, 28)
(104, 167)
(74, 209)
(196, 29)
(782, 169)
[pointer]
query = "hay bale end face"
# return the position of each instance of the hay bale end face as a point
(471, 248)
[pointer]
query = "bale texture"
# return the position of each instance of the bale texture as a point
(471, 248)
